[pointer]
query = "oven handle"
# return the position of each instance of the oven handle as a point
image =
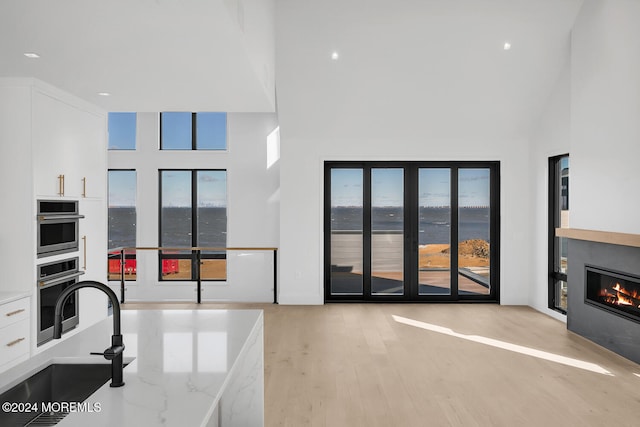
(54, 217)
(56, 280)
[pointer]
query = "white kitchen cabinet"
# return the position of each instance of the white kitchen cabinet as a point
(46, 133)
(15, 335)
(93, 258)
(67, 141)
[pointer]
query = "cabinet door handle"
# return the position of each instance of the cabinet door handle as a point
(61, 185)
(14, 342)
(13, 313)
(84, 187)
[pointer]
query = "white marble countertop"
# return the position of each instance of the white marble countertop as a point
(182, 361)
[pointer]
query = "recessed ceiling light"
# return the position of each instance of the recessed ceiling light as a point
(335, 56)
(507, 46)
(104, 94)
(31, 55)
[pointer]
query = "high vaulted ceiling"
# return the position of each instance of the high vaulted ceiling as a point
(219, 55)
(150, 55)
(414, 69)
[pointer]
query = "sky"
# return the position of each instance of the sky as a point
(176, 188)
(122, 131)
(122, 189)
(473, 187)
(387, 187)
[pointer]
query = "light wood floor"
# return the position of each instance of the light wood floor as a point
(354, 365)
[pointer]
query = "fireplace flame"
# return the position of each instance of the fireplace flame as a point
(620, 296)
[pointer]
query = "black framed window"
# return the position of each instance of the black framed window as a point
(558, 218)
(412, 231)
(122, 219)
(193, 213)
(193, 131)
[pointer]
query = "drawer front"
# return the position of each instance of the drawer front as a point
(14, 341)
(13, 312)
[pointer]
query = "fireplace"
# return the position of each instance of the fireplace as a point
(596, 307)
(613, 291)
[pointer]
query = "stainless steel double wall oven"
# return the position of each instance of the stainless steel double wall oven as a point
(58, 233)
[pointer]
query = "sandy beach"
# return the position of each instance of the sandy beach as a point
(472, 253)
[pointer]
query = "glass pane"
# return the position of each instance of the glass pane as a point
(176, 131)
(122, 131)
(175, 218)
(561, 294)
(130, 266)
(212, 209)
(564, 249)
(564, 190)
(213, 269)
(434, 228)
(122, 222)
(561, 213)
(346, 231)
(176, 269)
(387, 231)
(473, 231)
(211, 131)
(563, 204)
(122, 208)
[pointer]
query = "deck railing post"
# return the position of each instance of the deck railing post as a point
(198, 276)
(122, 261)
(275, 275)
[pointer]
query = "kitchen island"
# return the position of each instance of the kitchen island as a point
(185, 368)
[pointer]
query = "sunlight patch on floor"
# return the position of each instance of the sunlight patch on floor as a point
(576, 363)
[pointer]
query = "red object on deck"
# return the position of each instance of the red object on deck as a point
(130, 266)
(169, 266)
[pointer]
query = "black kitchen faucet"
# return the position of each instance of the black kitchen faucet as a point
(113, 353)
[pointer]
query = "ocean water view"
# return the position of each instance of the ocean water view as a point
(434, 222)
(176, 227)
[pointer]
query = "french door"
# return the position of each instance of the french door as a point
(411, 231)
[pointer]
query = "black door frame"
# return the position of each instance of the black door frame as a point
(411, 232)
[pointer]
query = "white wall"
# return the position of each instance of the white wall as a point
(593, 115)
(605, 112)
(256, 26)
(252, 209)
(406, 87)
(551, 137)
(302, 190)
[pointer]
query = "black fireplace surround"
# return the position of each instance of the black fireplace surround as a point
(614, 291)
(601, 276)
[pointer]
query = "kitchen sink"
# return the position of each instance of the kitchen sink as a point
(37, 399)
